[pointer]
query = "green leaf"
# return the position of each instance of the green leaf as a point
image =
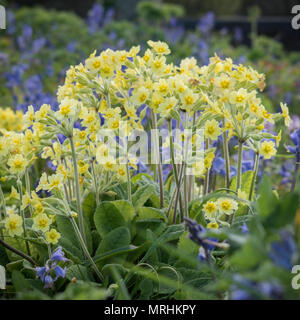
(284, 213)
(140, 197)
(107, 218)
(89, 207)
(19, 282)
(267, 198)
(3, 256)
(117, 238)
(250, 255)
(150, 213)
(115, 252)
(125, 208)
(79, 272)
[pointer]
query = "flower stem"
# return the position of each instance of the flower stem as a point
(77, 190)
(239, 174)
(297, 164)
(226, 156)
(3, 201)
(19, 183)
(128, 181)
(256, 162)
(206, 179)
(159, 165)
(28, 190)
(174, 165)
(239, 167)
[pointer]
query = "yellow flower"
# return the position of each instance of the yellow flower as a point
(226, 206)
(189, 98)
(14, 194)
(17, 164)
(25, 201)
(210, 210)
(13, 224)
(41, 223)
(285, 114)
(159, 47)
(52, 236)
(55, 181)
(212, 129)
(267, 149)
(167, 106)
(140, 96)
(212, 225)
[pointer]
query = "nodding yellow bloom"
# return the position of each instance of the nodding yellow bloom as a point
(52, 236)
(13, 224)
(140, 96)
(41, 223)
(109, 164)
(14, 194)
(212, 129)
(29, 117)
(55, 181)
(188, 99)
(122, 172)
(83, 167)
(17, 164)
(158, 64)
(267, 149)
(159, 47)
(67, 108)
(285, 114)
(208, 159)
(239, 97)
(210, 210)
(42, 113)
(25, 201)
(212, 225)
(226, 206)
(161, 86)
(167, 106)
(10, 120)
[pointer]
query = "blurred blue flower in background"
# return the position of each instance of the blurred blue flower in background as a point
(282, 251)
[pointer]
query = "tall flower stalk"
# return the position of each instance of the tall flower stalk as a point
(77, 190)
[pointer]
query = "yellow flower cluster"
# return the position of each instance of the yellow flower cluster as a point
(214, 210)
(10, 120)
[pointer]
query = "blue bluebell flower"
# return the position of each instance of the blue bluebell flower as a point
(52, 271)
(282, 252)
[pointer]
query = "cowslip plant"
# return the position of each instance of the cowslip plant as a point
(89, 201)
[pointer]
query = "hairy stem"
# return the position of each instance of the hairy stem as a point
(226, 156)
(77, 191)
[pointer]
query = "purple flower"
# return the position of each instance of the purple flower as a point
(282, 252)
(58, 255)
(52, 271)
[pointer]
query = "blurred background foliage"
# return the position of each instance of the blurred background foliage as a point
(193, 8)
